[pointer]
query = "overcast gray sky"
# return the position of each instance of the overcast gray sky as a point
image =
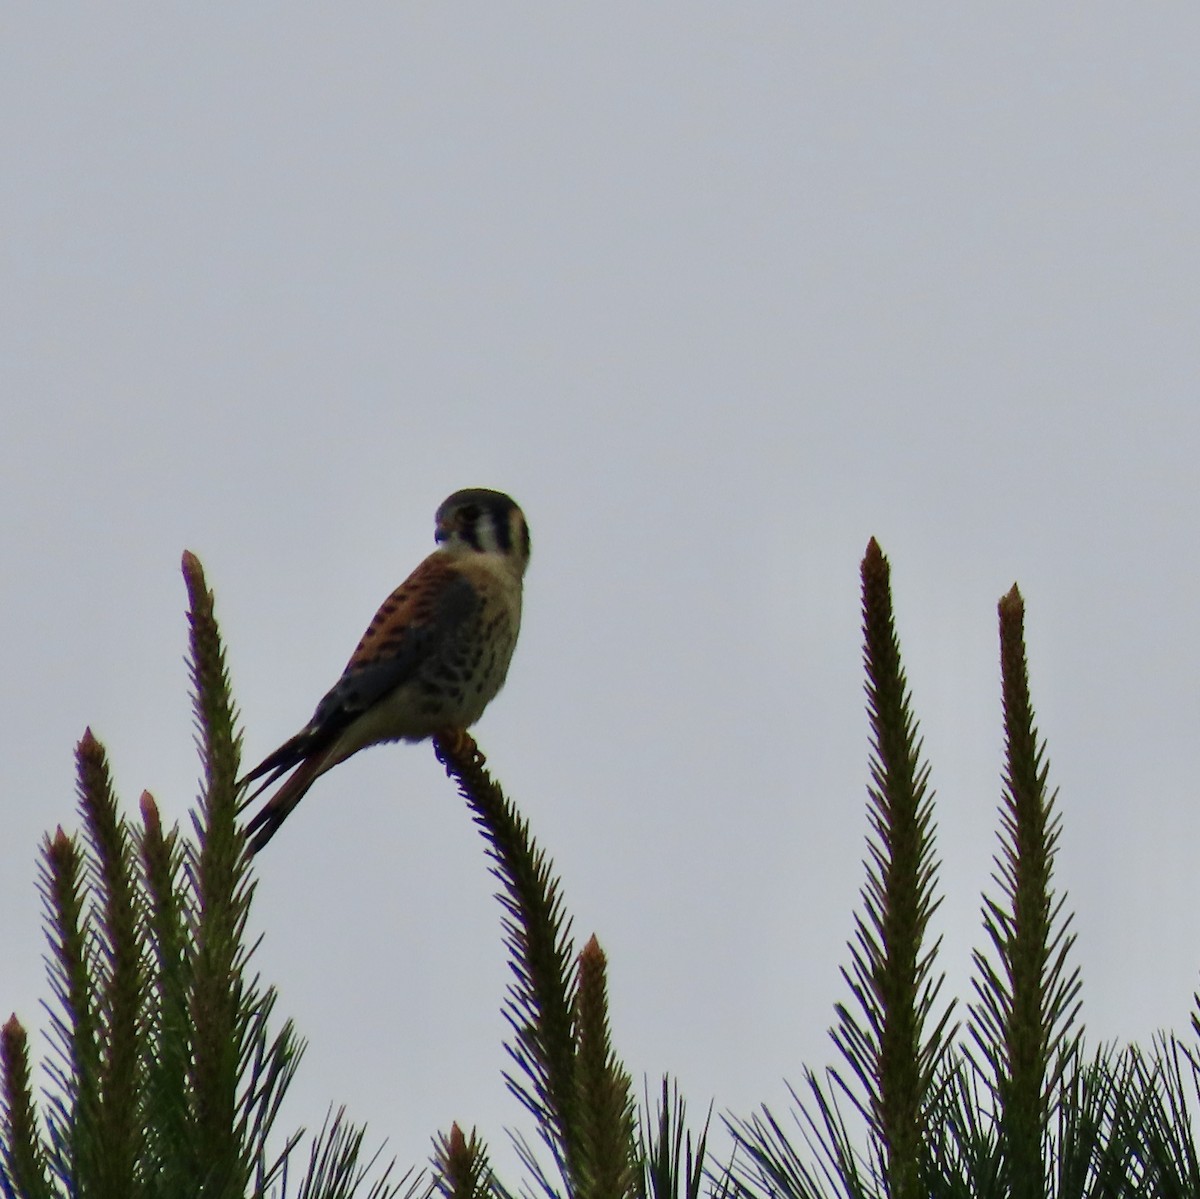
(716, 292)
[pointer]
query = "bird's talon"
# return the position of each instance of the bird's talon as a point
(458, 743)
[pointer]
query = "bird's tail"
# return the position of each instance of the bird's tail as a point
(264, 824)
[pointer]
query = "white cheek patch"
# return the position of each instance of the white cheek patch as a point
(485, 533)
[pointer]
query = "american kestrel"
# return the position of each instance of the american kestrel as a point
(432, 659)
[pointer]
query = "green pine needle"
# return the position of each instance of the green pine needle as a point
(1027, 996)
(460, 1165)
(896, 1041)
(22, 1152)
(607, 1122)
(540, 1005)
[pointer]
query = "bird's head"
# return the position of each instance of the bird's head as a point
(478, 520)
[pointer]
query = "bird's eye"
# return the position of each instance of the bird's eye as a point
(470, 513)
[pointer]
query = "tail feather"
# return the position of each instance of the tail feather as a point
(291, 753)
(303, 748)
(264, 824)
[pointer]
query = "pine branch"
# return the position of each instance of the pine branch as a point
(120, 1127)
(1101, 1111)
(170, 917)
(674, 1163)
(165, 1077)
(895, 1037)
(896, 1043)
(607, 1124)
(963, 1161)
(1026, 1006)
(239, 1072)
(770, 1163)
(460, 1165)
(217, 875)
(73, 1115)
(541, 999)
(219, 741)
(23, 1168)
(336, 1169)
(1160, 1093)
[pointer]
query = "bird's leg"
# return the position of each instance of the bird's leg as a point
(458, 743)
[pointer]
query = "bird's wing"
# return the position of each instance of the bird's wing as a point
(411, 623)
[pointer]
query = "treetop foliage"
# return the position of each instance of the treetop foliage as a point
(167, 1063)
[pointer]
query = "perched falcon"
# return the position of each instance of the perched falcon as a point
(431, 660)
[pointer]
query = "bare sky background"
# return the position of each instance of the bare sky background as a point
(716, 292)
